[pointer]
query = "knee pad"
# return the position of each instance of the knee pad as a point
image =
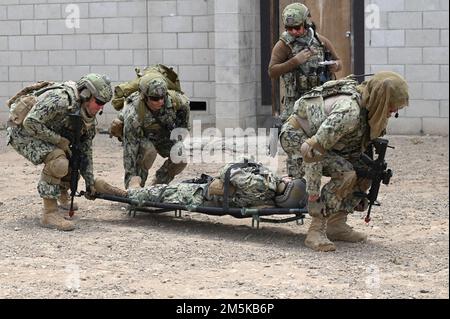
(148, 157)
(56, 167)
(346, 182)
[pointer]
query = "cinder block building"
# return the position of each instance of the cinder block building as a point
(221, 50)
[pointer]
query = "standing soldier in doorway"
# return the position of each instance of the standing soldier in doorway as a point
(300, 58)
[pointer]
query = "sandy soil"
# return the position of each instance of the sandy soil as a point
(112, 255)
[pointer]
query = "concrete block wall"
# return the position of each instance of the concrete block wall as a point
(412, 39)
(180, 35)
(237, 57)
(113, 37)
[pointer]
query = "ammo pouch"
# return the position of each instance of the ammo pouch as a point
(313, 81)
(307, 82)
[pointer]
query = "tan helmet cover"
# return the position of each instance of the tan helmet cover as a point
(295, 14)
(294, 195)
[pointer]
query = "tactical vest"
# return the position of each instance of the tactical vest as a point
(22, 102)
(307, 75)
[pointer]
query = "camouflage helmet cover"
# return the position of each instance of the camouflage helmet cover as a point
(294, 195)
(99, 85)
(150, 85)
(295, 14)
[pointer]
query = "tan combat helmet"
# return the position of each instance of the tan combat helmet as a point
(153, 86)
(295, 14)
(292, 195)
(96, 85)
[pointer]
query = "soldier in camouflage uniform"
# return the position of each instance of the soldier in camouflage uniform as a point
(149, 116)
(330, 128)
(250, 186)
(44, 137)
(296, 57)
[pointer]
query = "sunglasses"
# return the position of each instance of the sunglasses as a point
(155, 98)
(99, 102)
(297, 27)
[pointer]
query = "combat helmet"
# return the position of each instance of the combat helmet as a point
(151, 85)
(97, 85)
(293, 195)
(295, 14)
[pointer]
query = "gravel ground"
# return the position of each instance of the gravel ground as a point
(112, 255)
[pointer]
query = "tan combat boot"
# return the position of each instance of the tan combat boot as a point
(339, 230)
(102, 186)
(316, 238)
(64, 201)
(51, 217)
(135, 182)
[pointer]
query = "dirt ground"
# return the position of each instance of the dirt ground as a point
(112, 255)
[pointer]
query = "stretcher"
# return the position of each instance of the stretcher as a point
(377, 172)
(256, 214)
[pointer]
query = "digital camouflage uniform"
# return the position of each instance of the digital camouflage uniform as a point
(254, 186)
(148, 131)
(331, 127)
(340, 131)
(42, 128)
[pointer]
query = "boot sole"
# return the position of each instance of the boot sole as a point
(325, 248)
(337, 238)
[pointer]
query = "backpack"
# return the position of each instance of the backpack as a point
(24, 100)
(125, 89)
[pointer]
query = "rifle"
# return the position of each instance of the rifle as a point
(377, 171)
(75, 158)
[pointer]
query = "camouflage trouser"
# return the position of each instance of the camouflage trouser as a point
(34, 150)
(294, 160)
(164, 174)
(330, 166)
(288, 108)
(291, 140)
(181, 193)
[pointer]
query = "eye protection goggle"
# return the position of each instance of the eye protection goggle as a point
(297, 27)
(155, 98)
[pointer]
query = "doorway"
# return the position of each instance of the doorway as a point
(341, 21)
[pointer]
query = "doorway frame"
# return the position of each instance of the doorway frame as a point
(270, 12)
